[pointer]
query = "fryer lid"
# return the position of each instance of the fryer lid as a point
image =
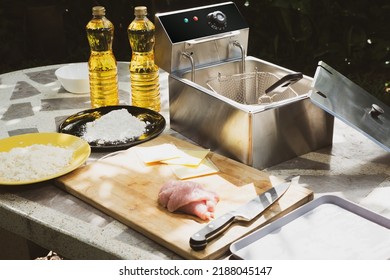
(350, 103)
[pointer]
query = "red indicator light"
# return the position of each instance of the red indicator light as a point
(195, 18)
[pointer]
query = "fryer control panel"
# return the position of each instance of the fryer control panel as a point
(202, 22)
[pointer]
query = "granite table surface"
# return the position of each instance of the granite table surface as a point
(33, 100)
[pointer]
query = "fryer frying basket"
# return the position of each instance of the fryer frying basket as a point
(249, 88)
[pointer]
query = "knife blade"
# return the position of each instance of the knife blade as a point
(246, 212)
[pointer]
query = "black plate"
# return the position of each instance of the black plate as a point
(75, 125)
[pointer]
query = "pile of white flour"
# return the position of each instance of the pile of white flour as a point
(33, 162)
(114, 127)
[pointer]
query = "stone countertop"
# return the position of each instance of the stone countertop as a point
(32, 100)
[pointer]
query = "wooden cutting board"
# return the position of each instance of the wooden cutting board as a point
(125, 188)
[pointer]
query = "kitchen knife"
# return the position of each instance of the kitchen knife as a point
(246, 213)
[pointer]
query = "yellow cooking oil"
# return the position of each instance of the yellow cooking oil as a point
(103, 75)
(144, 73)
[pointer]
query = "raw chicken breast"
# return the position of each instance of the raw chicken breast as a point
(188, 197)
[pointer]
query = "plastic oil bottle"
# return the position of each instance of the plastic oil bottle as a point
(103, 76)
(144, 75)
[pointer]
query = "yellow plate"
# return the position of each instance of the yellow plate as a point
(81, 148)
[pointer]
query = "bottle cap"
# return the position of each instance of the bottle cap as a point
(140, 11)
(98, 11)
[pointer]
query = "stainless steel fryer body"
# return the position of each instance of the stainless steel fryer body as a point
(194, 46)
(259, 137)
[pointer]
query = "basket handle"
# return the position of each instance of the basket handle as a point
(284, 82)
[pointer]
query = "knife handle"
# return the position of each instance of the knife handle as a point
(199, 240)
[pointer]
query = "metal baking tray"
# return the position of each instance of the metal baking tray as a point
(327, 228)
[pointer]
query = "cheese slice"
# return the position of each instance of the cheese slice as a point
(184, 163)
(188, 157)
(158, 153)
(206, 167)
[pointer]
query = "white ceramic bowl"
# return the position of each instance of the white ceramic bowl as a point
(74, 77)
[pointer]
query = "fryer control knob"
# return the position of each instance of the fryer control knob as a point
(217, 20)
